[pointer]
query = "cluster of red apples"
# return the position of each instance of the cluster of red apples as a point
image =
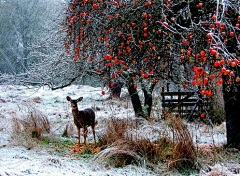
(145, 39)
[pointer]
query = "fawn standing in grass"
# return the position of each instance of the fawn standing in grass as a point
(82, 119)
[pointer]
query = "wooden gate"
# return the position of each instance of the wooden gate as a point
(187, 104)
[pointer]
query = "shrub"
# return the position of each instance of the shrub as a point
(69, 130)
(184, 152)
(120, 148)
(115, 130)
(31, 125)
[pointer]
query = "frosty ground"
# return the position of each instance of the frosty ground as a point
(16, 159)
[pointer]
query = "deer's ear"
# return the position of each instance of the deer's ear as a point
(68, 98)
(80, 99)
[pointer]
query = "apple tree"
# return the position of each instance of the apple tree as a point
(193, 43)
(123, 41)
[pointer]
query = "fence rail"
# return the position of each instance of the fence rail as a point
(188, 104)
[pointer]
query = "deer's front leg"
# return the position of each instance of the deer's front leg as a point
(85, 130)
(78, 136)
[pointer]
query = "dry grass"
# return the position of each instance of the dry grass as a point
(69, 130)
(115, 130)
(31, 125)
(119, 153)
(218, 170)
(184, 152)
(119, 147)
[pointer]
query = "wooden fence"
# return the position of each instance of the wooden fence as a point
(188, 104)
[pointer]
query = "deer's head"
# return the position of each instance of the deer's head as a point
(74, 102)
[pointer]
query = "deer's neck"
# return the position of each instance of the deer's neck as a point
(75, 113)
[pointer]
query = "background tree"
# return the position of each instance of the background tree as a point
(27, 32)
(21, 25)
(30, 51)
(192, 43)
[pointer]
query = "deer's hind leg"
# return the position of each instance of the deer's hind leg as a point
(85, 131)
(78, 136)
(93, 130)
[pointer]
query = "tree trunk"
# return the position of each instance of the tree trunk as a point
(137, 106)
(116, 89)
(147, 102)
(232, 109)
(141, 109)
(218, 109)
(147, 91)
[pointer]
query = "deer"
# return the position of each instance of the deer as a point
(82, 119)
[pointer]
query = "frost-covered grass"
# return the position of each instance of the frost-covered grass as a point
(52, 154)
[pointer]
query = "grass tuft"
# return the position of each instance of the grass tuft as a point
(119, 148)
(184, 151)
(29, 127)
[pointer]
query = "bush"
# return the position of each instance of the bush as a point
(31, 125)
(120, 148)
(184, 152)
(115, 130)
(69, 130)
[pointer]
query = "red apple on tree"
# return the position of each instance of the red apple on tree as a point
(200, 4)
